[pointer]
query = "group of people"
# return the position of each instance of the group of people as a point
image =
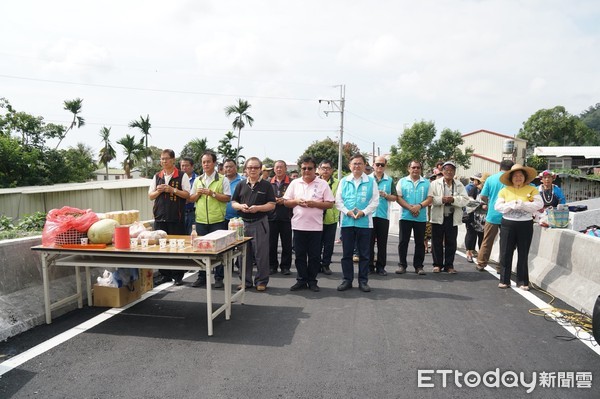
(303, 214)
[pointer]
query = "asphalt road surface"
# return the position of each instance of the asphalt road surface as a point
(439, 335)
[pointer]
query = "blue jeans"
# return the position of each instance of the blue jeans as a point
(307, 245)
(204, 229)
(361, 237)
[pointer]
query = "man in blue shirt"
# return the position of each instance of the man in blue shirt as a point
(489, 194)
(412, 197)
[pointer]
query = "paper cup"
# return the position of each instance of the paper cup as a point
(133, 242)
(172, 243)
(84, 241)
(181, 243)
(144, 242)
(162, 243)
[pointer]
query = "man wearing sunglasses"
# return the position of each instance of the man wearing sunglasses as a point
(381, 221)
(309, 197)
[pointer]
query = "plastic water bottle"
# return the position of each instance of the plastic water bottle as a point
(240, 229)
(193, 235)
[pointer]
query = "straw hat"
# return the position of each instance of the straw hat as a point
(530, 174)
(484, 177)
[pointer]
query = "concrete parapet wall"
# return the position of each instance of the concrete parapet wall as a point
(566, 263)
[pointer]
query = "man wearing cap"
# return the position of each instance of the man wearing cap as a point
(448, 196)
(413, 197)
(381, 220)
(266, 172)
(280, 223)
(493, 218)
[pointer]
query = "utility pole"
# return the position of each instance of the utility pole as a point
(338, 106)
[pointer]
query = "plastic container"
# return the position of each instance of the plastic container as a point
(122, 240)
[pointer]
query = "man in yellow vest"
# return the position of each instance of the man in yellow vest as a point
(211, 193)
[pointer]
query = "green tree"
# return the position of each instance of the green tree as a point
(133, 150)
(418, 142)
(555, 127)
(79, 163)
(329, 149)
(154, 165)
(225, 149)
(107, 152)
(144, 126)
(591, 118)
(447, 147)
(17, 162)
(240, 110)
(194, 149)
(74, 107)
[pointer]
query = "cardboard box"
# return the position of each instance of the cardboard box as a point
(116, 297)
(146, 280)
(215, 241)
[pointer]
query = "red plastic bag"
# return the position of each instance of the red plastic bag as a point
(66, 225)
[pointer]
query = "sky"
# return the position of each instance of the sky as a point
(463, 64)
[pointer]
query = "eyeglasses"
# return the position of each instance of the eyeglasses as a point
(381, 165)
(326, 167)
(415, 167)
(307, 168)
(252, 167)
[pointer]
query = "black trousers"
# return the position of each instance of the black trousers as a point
(328, 242)
(283, 229)
(418, 229)
(472, 237)
(443, 243)
(380, 233)
(171, 229)
(515, 234)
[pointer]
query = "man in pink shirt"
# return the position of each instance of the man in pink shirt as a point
(309, 197)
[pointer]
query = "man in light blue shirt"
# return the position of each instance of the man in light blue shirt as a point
(413, 197)
(489, 194)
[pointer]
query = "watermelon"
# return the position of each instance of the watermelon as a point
(102, 231)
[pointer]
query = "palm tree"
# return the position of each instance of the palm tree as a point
(241, 118)
(144, 126)
(107, 153)
(133, 151)
(74, 107)
(194, 149)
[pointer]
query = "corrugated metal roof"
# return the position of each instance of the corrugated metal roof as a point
(586, 152)
(91, 185)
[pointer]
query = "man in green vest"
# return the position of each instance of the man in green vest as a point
(330, 217)
(211, 193)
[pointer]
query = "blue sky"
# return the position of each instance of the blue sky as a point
(466, 65)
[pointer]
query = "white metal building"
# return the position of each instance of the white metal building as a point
(490, 148)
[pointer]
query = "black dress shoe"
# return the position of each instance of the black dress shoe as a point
(199, 283)
(364, 287)
(326, 270)
(178, 282)
(272, 271)
(219, 284)
(300, 285)
(382, 272)
(285, 272)
(313, 287)
(345, 285)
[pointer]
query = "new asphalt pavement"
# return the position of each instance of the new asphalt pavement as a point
(438, 336)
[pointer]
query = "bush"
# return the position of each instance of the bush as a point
(29, 225)
(33, 222)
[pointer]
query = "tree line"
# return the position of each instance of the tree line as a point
(27, 159)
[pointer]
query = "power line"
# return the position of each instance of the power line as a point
(154, 90)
